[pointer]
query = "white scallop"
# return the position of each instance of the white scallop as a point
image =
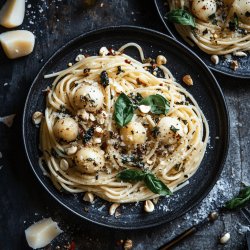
(90, 160)
(134, 133)
(242, 10)
(66, 129)
(166, 126)
(202, 9)
(88, 97)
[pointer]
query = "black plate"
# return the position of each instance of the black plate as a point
(223, 66)
(205, 90)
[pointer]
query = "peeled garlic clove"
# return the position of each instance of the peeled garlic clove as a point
(42, 233)
(12, 13)
(17, 43)
(225, 238)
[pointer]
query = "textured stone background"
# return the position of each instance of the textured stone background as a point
(23, 200)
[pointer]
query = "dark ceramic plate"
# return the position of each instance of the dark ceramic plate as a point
(223, 66)
(205, 90)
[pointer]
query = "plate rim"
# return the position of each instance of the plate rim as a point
(149, 32)
(173, 36)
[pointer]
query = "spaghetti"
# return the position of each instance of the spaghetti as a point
(221, 26)
(85, 148)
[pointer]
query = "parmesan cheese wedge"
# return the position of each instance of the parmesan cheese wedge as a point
(42, 233)
(17, 43)
(12, 13)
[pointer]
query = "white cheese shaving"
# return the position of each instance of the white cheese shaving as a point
(12, 13)
(42, 233)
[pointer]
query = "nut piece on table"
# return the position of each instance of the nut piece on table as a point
(17, 43)
(234, 65)
(128, 244)
(12, 13)
(187, 80)
(225, 238)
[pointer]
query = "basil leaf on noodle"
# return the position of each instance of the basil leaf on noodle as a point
(181, 16)
(158, 103)
(151, 181)
(124, 110)
(240, 200)
(156, 185)
(131, 175)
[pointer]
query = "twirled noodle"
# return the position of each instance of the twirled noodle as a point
(222, 26)
(172, 157)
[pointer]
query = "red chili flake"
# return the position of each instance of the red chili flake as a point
(72, 246)
(204, 7)
(127, 61)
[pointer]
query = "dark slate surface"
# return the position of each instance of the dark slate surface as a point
(23, 200)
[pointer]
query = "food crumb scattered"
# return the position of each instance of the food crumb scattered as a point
(8, 120)
(128, 244)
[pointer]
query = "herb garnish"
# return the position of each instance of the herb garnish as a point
(181, 16)
(124, 110)
(234, 24)
(150, 180)
(88, 135)
(158, 103)
(104, 79)
(173, 128)
(124, 107)
(240, 200)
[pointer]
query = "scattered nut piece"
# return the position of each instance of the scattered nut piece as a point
(37, 117)
(92, 117)
(149, 206)
(240, 53)
(225, 238)
(70, 64)
(155, 200)
(99, 130)
(79, 58)
(128, 244)
(71, 150)
(213, 216)
(161, 60)
(8, 120)
(97, 140)
(83, 114)
(64, 165)
(215, 59)
(113, 208)
(89, 197)
(144, 108)
(103, 51)
(234, 65)
(187, 80)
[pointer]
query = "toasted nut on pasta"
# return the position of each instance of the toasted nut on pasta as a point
(215, 59)
(149, 206)
(37, 117)
(161, 60)
(71, 150)
(144, 108)
(103, 51)
(187, 79)
(225, 238)
(89, 197)
(113, 208)
(64, 165)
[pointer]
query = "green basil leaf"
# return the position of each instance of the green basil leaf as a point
(240, 200)
(131, 175)
(156, 185)
(158, 103)
(124, 110)
(181, 16)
